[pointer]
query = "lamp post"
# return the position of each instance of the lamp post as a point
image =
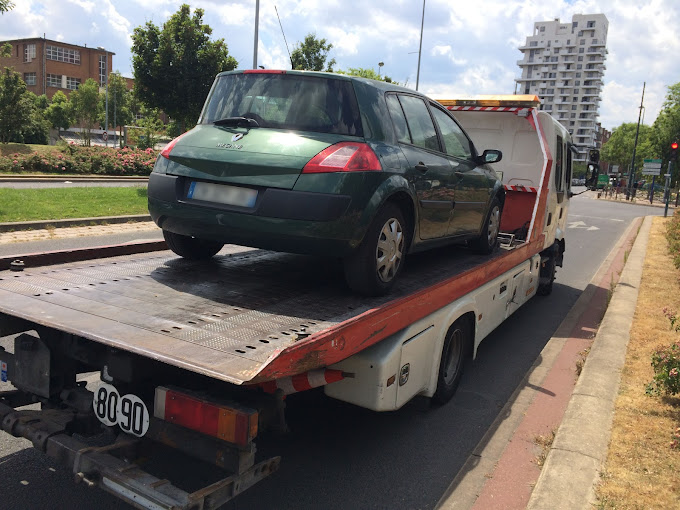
(380, 64)
(420, 49)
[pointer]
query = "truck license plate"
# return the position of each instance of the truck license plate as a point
(127, 411)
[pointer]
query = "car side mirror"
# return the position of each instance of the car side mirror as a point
(491, 156)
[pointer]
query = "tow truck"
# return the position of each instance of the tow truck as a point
(132, 355)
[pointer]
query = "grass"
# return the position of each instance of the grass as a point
(64, 203)
(544, 442)
(21, 148)
(642, 470)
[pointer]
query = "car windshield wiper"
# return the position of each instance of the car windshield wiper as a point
(237, 122)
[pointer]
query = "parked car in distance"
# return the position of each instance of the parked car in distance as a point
(325, 164)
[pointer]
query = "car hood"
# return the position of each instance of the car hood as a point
(253, 157)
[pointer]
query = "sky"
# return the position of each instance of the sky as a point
(468, 47)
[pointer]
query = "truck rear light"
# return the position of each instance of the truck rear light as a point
(168, 148)
(232, 424)
(264, 71)
(344, 157)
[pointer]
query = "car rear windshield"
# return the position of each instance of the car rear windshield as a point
(286, 101)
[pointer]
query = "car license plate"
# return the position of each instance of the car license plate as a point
(222, 194)
(127, 411)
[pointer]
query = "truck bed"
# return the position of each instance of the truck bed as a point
(245, 316)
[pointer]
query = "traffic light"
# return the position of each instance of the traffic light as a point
(674, 151)
(594, 155)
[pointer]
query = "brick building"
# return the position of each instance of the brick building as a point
(47, 66)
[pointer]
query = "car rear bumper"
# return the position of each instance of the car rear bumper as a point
(281, 220)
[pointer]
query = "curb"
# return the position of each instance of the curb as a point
(572, 468)
(469, 482)
(74, 222)
(75, 178)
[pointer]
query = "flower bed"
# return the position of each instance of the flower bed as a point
(74, 159)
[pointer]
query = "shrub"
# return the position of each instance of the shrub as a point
(666, 364)
(75, 159)
(673, 237)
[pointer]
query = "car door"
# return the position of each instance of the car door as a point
(472, 185)
(430, 169)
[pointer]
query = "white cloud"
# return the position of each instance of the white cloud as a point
(447, 51)
(87, 5)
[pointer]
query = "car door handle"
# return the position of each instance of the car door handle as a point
(421, 167)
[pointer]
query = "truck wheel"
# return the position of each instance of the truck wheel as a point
(451, 365)
(546, 276)
(488, 240)
(373, 267)
(190, 247)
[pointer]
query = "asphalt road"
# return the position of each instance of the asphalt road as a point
(342, 456)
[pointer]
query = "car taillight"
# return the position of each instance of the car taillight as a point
(168, 148)
(344, 157)
(234, 424)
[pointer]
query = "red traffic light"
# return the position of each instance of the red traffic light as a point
(674, 146)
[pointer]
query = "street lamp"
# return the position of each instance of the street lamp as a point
(380, 64)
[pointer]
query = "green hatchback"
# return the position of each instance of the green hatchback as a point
(325, 164)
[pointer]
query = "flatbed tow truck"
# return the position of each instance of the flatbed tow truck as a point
(198, 357)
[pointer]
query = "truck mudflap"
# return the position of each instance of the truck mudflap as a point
(98, 466)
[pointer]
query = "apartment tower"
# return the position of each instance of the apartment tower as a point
(563, 64)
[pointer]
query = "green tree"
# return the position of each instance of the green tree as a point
(619, 149)
(60, 112)
(311, 55)
(175, 66)
(150, 128)
(119, 101)
(87, 107)
(16, 107)
(667, 128)
(371, 74)
(6, 5)
(37, 128)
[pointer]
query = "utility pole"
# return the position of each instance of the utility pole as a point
(257, 26)
(631, 174)
(420, 49)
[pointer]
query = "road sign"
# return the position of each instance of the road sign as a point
(105, 135)
(651, 171)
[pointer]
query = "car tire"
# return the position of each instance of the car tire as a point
(488, 239)
(547, 276)
(454, 353)
(191, 248)
(374, 266)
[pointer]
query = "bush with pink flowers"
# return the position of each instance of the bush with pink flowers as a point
(75, 159)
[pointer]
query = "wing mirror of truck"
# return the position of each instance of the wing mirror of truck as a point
(491, 156)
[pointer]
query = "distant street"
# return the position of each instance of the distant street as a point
(23, 183)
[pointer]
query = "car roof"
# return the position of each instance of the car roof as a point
(385, 86)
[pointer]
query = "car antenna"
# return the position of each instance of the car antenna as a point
(284, 37)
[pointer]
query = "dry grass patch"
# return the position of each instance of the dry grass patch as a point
(544, 442)
(642, 470)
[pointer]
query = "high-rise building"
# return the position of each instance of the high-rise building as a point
(47, 66)
(563, 64)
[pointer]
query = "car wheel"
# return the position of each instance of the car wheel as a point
(547, 276)
(373, 268)
(452, 362)
(488, 239)
(190, 247)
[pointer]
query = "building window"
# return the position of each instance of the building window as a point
(573, 116)
(102, 70)
(61, 54)
(581, 50)
(30, 78)
(54, 80)
(72, 83)
(573, 107)
(541, 29)
(574, 24)
(29, 52)
(533, 43)
(591, 24)
(575, 91)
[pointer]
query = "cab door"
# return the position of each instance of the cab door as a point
(430, 170)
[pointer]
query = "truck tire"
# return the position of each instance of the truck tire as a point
(374, 266)
(547, 276)
(190, 247)
(454, 351)
(488, 239)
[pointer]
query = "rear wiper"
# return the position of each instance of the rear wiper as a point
(237, 122)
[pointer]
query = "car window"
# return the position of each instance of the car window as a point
(419, 122)
(455, 141)
(286, 101)
(398, 119)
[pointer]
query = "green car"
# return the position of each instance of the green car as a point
(325, 164)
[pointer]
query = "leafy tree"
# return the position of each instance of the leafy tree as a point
(150, 128)
(6, 5)
(60, 112)
(6, 50)
(119, 101)
(371, 74)
(311, 55)
(667, 127)
(15, 107)
(619, 149)
(87, 107)
(37, 128)
(175, 66)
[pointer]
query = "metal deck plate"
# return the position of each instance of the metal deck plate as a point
(224, 318)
